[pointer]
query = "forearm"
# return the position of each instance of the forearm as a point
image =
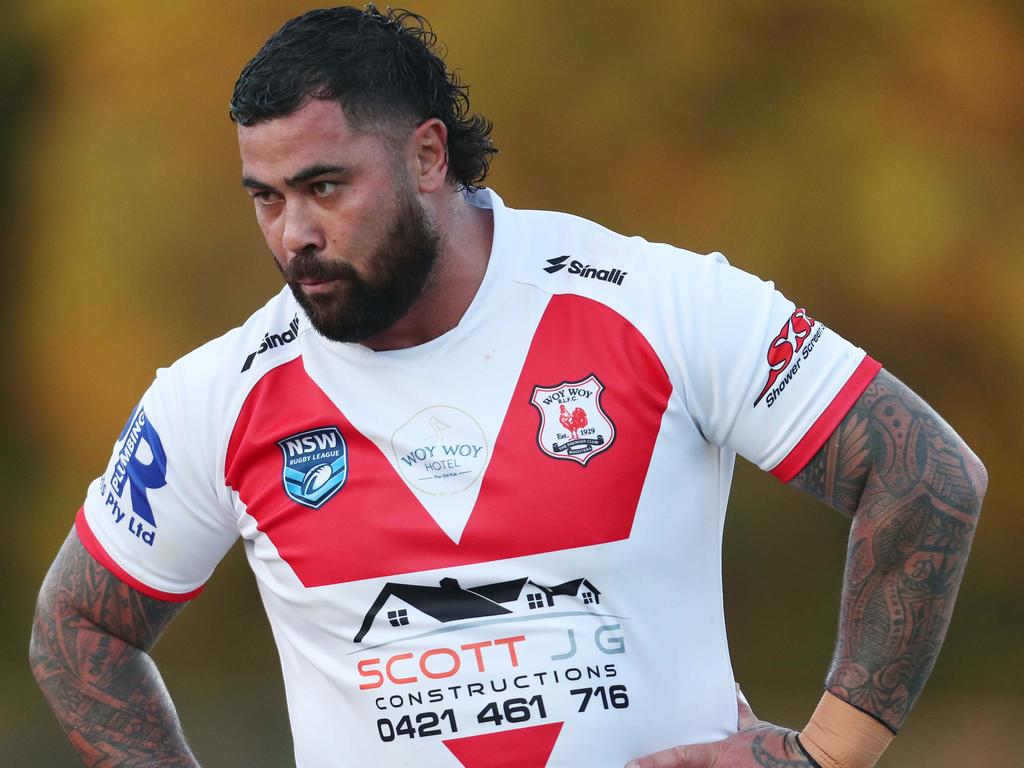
(914, 490)
(904, 566)
(108, 697)
(106, 692)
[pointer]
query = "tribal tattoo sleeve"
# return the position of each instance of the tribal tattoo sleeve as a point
(89, 654)
(914, 490)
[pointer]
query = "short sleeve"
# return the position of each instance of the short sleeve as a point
(154, 517)
(764, 377)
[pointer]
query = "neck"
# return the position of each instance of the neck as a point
(466, 233)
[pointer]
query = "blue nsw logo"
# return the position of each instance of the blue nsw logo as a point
(130, 468)
(315, 465)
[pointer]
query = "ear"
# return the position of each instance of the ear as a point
(429, 147)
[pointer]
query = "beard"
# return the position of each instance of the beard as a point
(361, 307)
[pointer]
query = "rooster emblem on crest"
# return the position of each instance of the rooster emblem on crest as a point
(574, 421)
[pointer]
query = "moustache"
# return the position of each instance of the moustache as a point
(306, 267)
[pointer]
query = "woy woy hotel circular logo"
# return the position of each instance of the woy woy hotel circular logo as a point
(441, 450)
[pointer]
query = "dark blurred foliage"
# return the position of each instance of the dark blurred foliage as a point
(869, 157)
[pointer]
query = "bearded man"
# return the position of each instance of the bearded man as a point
(479, 459)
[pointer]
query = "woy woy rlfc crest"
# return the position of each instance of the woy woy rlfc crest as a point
(573, 423)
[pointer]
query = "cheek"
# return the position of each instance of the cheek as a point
(268, 225)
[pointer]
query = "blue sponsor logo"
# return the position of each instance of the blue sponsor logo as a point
(315, 465)
(141, 464)
(131, 469)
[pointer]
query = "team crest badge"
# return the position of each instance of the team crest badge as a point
(315, 465)
(573, 424)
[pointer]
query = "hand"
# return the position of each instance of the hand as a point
(757, 744)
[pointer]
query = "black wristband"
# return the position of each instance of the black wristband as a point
(810, 759)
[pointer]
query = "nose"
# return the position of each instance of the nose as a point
(301, 231)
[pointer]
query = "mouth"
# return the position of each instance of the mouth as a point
(317, 278)
(313, 286)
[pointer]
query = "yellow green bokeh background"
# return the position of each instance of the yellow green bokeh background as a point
(867, 156)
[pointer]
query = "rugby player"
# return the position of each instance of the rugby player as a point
(479, 459)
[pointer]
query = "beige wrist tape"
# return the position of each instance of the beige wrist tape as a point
(839, 735)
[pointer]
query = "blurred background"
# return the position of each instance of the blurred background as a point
(869, 157)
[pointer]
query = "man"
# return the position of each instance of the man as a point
(479, 459)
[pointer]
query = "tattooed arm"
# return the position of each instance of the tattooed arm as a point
(914, 490)
(89, 654)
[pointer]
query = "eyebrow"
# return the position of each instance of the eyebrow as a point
(320, 169)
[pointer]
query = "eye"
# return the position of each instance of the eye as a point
(265, 197)
(323, 188)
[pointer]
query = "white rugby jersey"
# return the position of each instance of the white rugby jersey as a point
(502, 548)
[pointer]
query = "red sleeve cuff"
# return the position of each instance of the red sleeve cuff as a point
(93, 546)
(826, 424)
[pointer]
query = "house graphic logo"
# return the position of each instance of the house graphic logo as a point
(573, 423)
(404, 604)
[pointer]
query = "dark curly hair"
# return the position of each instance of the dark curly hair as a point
(380, 66)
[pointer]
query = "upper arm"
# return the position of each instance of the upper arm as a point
(757, 374)
(890, 447)
(78, 588)
(159, 517)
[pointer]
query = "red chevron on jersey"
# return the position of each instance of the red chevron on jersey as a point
(529, 503)
(518, 748)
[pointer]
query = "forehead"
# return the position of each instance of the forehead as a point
(317, 132)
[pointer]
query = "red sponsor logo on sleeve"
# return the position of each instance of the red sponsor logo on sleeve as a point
(783, 348)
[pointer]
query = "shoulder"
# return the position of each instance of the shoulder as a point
(562, 253)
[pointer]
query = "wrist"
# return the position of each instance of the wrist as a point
(839, 735)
